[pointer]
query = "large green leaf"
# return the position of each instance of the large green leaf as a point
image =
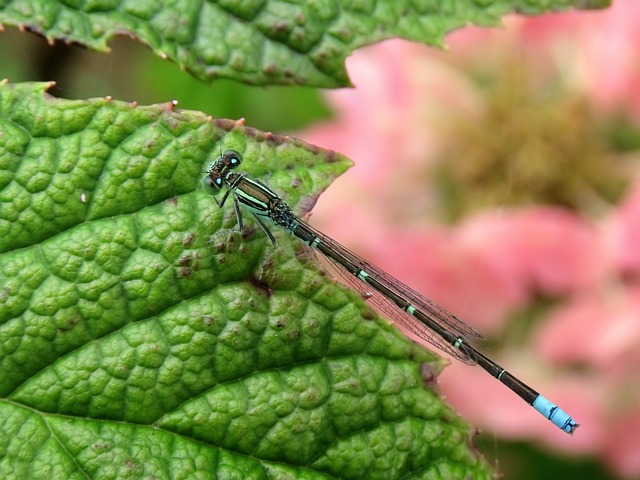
(263, 41)
(143, 336)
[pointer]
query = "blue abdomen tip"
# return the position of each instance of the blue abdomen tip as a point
(555, 414)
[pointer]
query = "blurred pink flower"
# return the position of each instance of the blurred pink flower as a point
(605, 51)
(623, 233)
(543, 249)
(624, 449)
(493, 264)
(607, 324)
(594, 51)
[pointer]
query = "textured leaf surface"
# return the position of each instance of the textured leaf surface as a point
(143, 336)
(263, 41)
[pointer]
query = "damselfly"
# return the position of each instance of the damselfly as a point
(407, 307)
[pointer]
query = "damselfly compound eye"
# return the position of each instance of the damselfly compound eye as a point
(231, 159)
(212, 181)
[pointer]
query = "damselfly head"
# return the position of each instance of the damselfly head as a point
(213, 179)
(219, 169)
(230, 159)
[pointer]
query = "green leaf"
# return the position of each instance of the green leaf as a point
(143, 336)
(263, 41)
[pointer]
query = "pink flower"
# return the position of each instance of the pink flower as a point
(547, 250)
(605, 327)
(594, 51)
(623, 450)
(623, 233)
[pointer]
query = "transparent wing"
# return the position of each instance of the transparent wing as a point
(435, 315)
